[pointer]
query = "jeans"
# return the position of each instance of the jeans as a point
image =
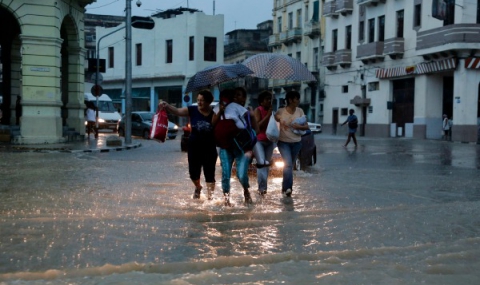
(263, 151)
(289, 152)
(242, 162)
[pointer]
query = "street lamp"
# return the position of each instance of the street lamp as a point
(128, 71)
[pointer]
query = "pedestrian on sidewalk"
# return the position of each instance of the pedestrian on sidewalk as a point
(352, 122)
(91, 119)
(202, 151)
(446, 124)
(289, 143)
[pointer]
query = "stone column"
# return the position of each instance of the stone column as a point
(465, 96)
(41, 118)
(76, 105)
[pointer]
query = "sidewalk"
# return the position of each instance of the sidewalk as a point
(87, 145)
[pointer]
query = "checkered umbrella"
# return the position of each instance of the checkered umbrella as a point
(278, 66)
(216, 74)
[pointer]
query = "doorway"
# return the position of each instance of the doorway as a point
(334, 121)
(403, 103)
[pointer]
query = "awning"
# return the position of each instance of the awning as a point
(436, 66)
(472, 63)
(421, 68)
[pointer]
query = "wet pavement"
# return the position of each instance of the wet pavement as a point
(391, 211)
(90, 144)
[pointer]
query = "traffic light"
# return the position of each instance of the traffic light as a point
(139, 22)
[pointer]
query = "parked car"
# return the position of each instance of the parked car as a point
(315, 128)
(141, 124)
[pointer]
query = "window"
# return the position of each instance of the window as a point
(417, 16)
(400, 24)
(191, 48)
(371, 30)
(138, 50)
(373, 86)
(344, 88)
(299, 56)
(111, 57)
(381, 28)
(348, 37)
(334, 39)
(449, 13)
(299, 18)
(315, 58)
(279, 24)
(169, 44)
(478, 11)
(344, 111)
(361, 31)
(210, 49)
(290, 20)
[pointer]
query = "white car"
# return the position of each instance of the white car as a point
(315, 128)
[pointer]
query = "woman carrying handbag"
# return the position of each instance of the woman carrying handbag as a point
(231, 109)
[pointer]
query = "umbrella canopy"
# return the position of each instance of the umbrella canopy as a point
(278, 66)
(216, 74)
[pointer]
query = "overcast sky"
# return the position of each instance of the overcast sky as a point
(238, 14)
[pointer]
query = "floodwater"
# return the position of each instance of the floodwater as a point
(392, 211)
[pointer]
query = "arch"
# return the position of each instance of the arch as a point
(11, 61)
(71, 74)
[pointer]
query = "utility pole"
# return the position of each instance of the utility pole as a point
(128, 72)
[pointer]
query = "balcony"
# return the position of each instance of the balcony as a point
(394, 47)
(283, 37)
(294, 36)
(371, 52)
(457, 39)
(274, 41)
(344, 7)
(360, 102)
(329, 9)
(312, 29)
(370, 2)
(328, 60)
(343, 57)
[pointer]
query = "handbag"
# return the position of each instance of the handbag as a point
(273, 130)
(159, 128)
(224, 132)
(246, 138)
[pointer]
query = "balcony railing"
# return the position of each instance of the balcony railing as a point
(344, 7)
(370, 2)
(394, 47)
(274, 40)
(343, 57)
(329, 9)
(370, 52)
(283, 37)
(312, 29)
(454, 38)
(328, 60)
(294, 35)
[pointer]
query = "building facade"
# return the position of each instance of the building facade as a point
(401, 65)
(241, 44)
(297, 32)
(183, 42)
(42, 52)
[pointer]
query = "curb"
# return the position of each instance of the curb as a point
(67, 150)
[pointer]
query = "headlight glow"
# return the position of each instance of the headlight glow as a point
(176, 127)
(101, 120)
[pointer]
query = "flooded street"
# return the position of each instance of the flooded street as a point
(392, 211)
